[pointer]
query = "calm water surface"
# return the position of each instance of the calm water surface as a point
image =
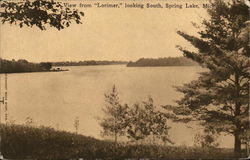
(57, 98)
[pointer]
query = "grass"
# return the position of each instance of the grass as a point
(22, 142)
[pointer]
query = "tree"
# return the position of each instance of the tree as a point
(139, 122)
(145, 121)
(46, 65)
(29, 121)
(137, 127)
(114, 123)
(22, 65)
(76, 124)
(207, 140)
(38, 13)
(219, 98)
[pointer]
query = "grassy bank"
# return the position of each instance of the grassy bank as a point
(20, 142)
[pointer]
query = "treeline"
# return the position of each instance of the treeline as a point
(42, 143)
(169, 61)
(22, 65)
(88, 63)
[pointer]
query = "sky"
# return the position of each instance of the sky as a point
(106, 34)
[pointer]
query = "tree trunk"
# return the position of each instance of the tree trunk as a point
(237, 140)
(115, 138)
(237, 143)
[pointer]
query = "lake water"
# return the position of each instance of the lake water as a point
(57, 98)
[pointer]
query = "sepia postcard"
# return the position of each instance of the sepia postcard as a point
(124, 79)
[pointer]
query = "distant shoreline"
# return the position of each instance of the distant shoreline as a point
(23, 66)
(63, 70)
(164, 66)
(162, 62)
(88, 63)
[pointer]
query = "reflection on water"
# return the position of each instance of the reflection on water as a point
(56, 98)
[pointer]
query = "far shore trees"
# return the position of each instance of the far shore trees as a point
(219, 98)
(160, 62)
(22, 65)
(46, 65)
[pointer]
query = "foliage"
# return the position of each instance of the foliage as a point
(29, 121)
(22, 65)
(38, 13)
(76, 124)
(170, 61)
(206, 140)
(46, 65)
(116, 115)
(145, 121)
(139, 122)
(219, 98)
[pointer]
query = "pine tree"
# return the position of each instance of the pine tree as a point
(219, 98)
(114, 122)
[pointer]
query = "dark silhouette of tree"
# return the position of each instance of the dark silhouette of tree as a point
(219, 98)
(46, 65)
(38, 13)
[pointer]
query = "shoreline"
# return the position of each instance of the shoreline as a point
(167, 66)
(63, 70)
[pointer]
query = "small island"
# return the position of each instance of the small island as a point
(160, 62)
